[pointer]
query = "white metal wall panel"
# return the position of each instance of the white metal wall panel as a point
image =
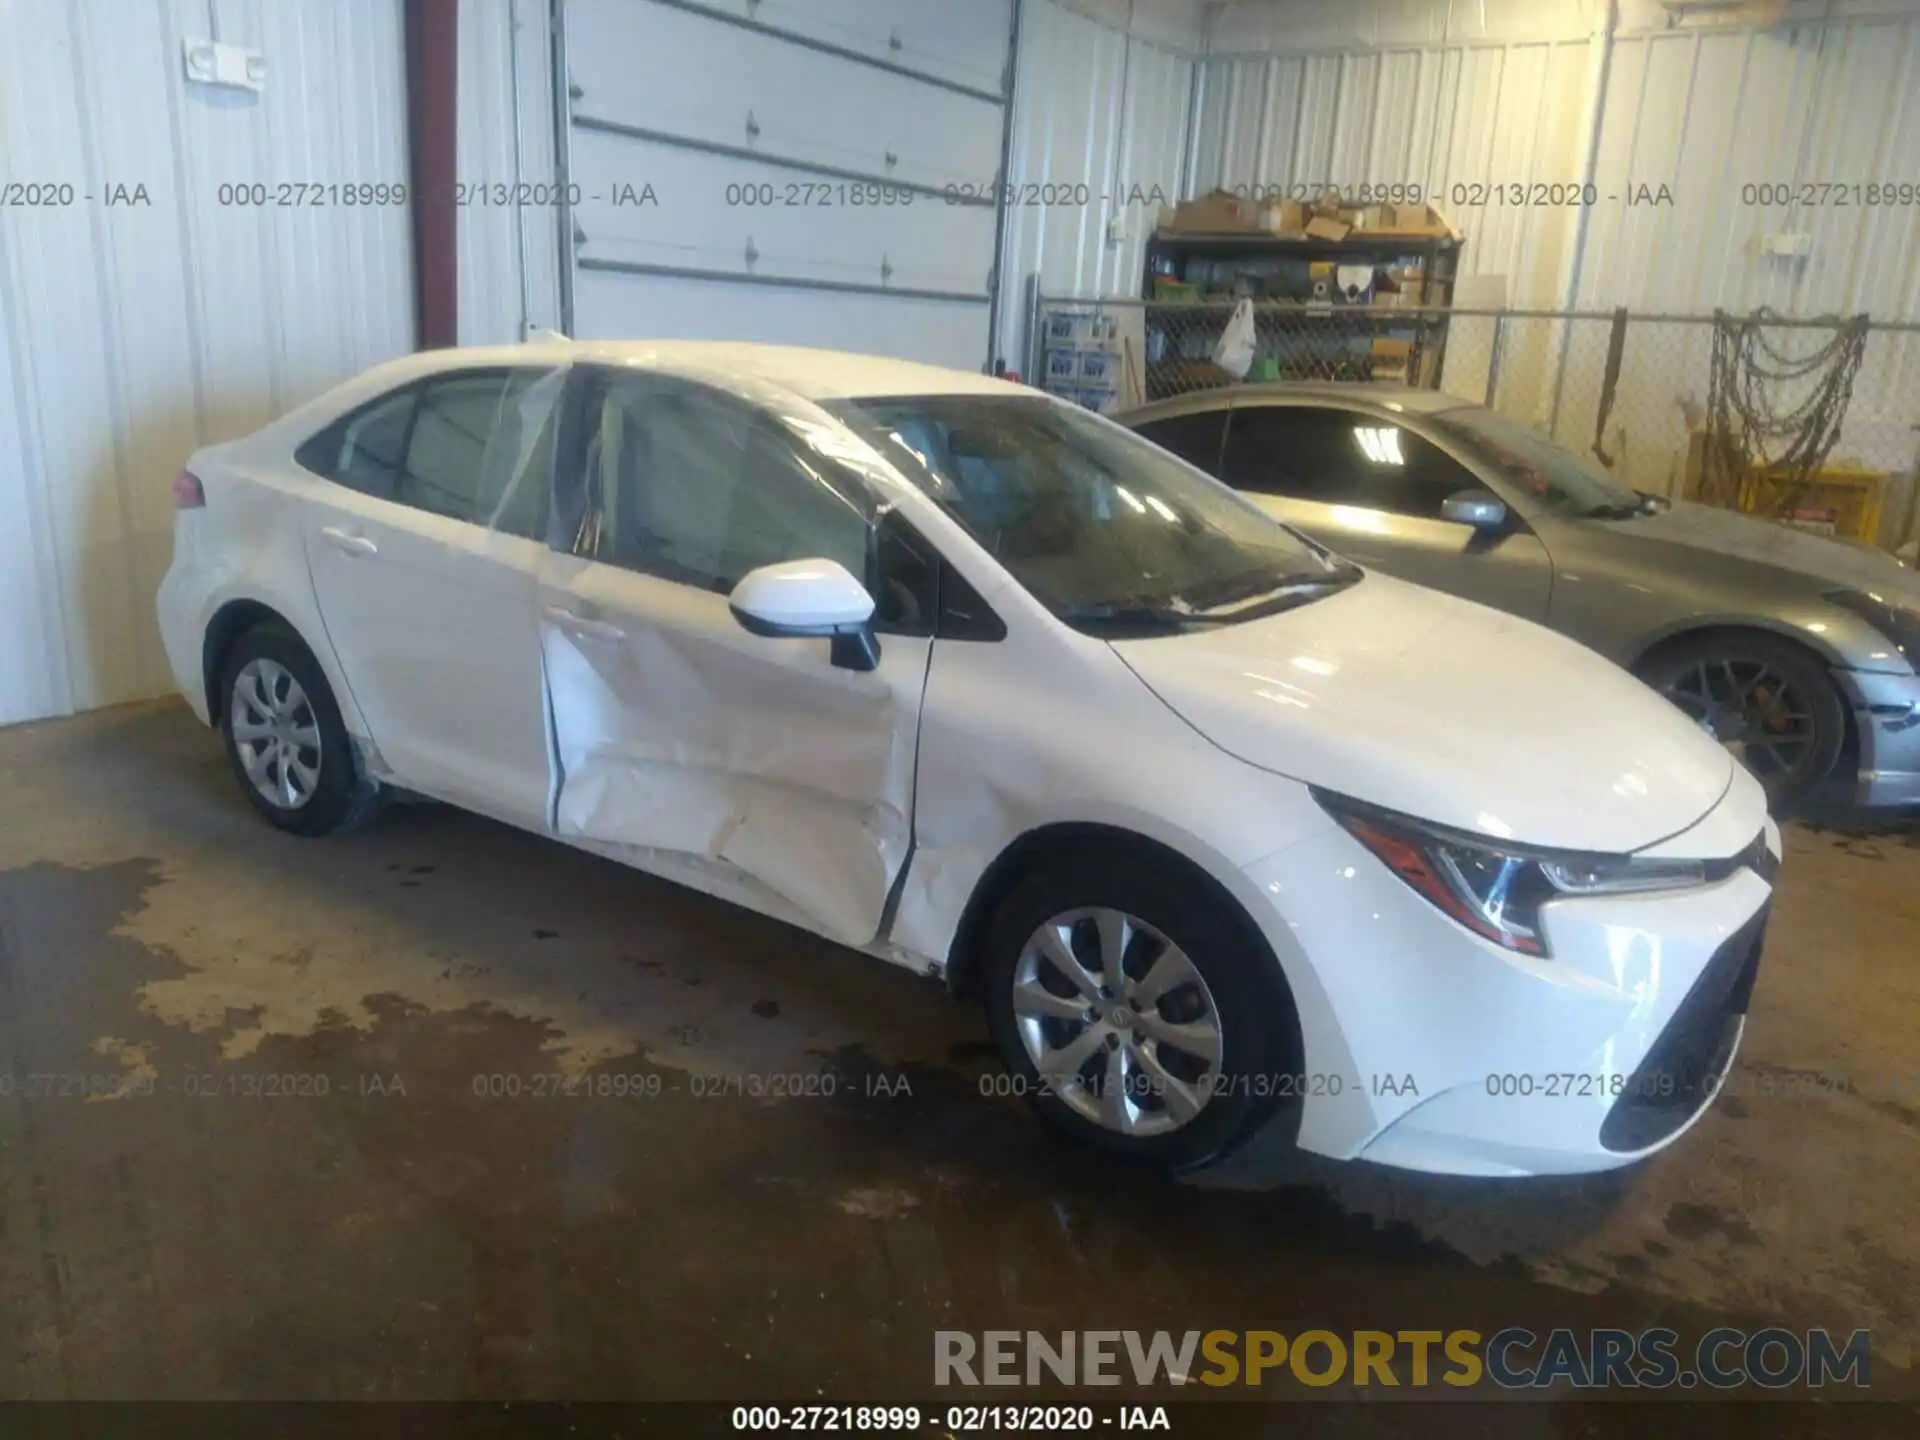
(671, 70)
(1708, 114)
(1099, 108)
(715, 211)
(616, 306)
(1466, 115)
(966, 43)
(509, 254)
(744, 153)
(1494, 94)
(130, 334)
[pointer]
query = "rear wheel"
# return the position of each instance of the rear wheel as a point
(285, 740)
(1769, 702)
(1135, 1013)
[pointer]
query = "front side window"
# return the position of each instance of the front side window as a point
(697, 487)
(1340, 457)
(1106, 530)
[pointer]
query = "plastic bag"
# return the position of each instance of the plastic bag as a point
(1234, 353)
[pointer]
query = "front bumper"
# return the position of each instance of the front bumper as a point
(1430, 1049)
(1886, 715)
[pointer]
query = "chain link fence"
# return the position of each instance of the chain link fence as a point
(1546, 368)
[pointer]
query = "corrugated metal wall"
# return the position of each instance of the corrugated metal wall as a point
(508, 252)
(1708, 114)
(1702, 111)
(131, 333)
(1462, 115)
(1100, 116)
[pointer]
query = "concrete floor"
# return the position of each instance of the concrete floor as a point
(407, 1235)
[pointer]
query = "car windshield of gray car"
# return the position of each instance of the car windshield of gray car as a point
(1554, 477)
(1113, 535)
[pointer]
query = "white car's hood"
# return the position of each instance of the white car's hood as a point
(1445, 710)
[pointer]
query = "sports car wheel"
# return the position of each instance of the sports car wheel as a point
(1771, 704)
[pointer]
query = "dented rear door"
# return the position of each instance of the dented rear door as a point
(675, 729)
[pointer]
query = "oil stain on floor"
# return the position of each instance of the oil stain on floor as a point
(445, 1111)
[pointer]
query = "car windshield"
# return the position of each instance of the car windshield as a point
(1555, 477)
(1109, 532)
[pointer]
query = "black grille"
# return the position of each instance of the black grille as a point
(1690, 1057)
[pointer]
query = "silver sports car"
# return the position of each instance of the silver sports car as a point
(1798, 652)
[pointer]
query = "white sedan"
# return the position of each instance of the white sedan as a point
(1223, 830)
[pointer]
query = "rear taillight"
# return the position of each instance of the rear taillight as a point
(187, 494)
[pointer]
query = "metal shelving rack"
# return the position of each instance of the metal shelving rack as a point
(1305, 338)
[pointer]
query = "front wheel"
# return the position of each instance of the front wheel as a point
(1770, 703)
(1135, 1014)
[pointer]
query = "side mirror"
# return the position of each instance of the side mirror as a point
(1481, 509)
(810, 597)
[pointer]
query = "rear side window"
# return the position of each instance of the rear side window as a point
(365, 451)
(474, 446)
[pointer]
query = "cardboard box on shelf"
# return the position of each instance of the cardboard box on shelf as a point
(1099, 367)
(1422, 220)
(1390, 359)
(1217, 213)
(1284, 217)
(1223, 213)
(1328, 227)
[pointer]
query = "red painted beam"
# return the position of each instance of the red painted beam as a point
(433, 69)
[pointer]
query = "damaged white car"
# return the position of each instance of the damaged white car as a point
(1220, 827)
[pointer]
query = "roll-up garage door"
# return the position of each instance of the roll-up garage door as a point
(809, 172)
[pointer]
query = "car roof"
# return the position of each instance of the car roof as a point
(1402, 398)
(798, 370)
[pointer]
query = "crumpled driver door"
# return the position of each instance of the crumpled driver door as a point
(674, 728)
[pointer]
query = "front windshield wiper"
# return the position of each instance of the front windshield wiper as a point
(1613, 511)
(1130, 619)
(1647, 503)
(1266, 589)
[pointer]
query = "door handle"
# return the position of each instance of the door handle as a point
(581, 625)
(348, 544)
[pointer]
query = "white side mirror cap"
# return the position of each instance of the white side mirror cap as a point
(801, 597)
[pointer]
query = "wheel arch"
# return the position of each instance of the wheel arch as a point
(236, 616)
(224, 629)
(1695, 628)
(965, 972)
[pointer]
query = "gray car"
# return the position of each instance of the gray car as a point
(1798, 652)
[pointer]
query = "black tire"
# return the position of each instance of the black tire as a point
(342, 798)
(1257, 1031)
(1795, 721)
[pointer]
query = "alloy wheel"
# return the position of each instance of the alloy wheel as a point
(1753, 710)
(276, 733)
(1118, 1021)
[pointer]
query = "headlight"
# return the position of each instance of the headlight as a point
(1894, 617)
(1495, 889)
